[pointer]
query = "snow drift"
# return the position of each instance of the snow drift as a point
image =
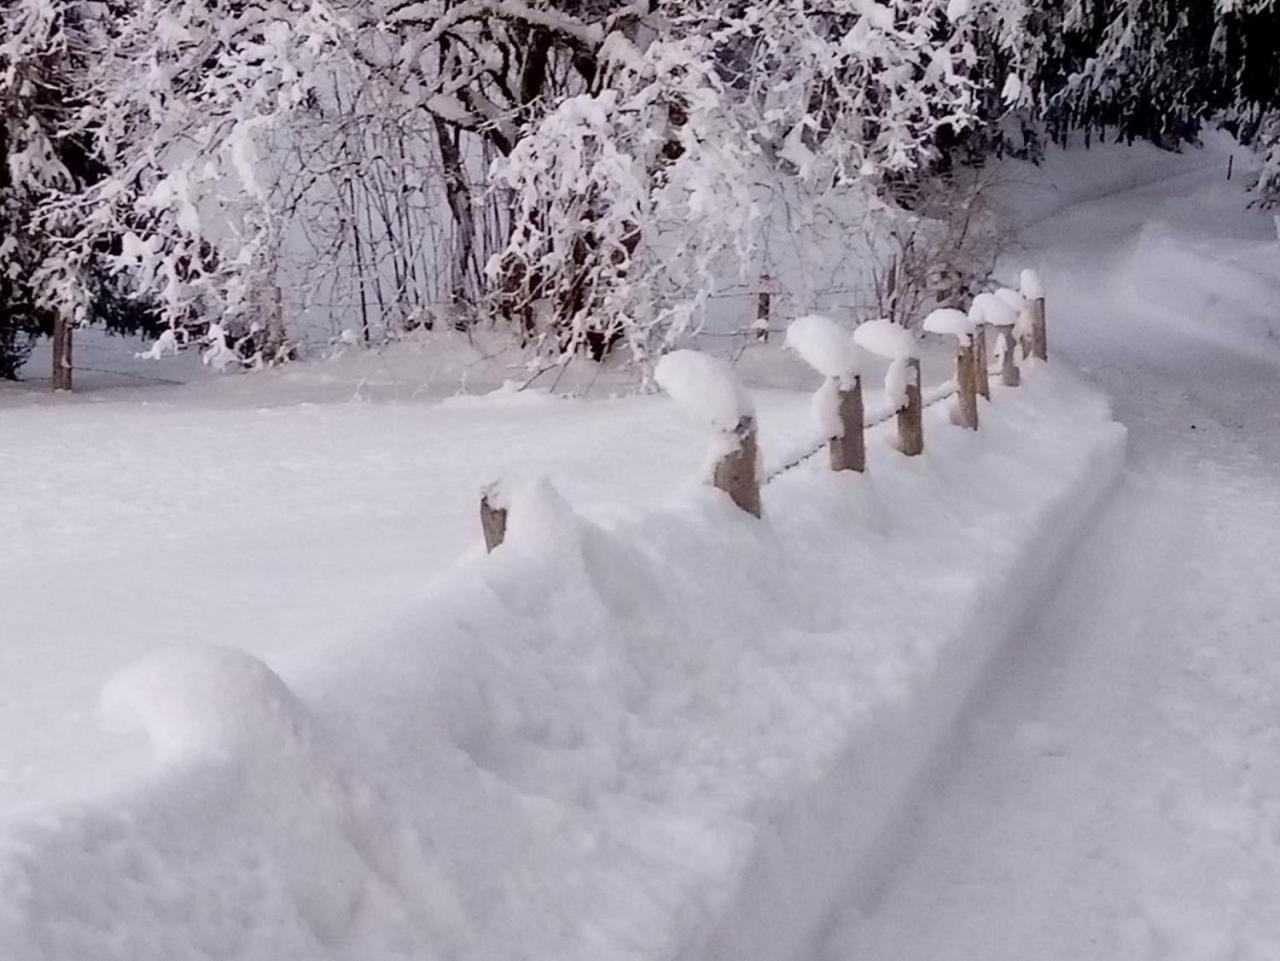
(662, 734)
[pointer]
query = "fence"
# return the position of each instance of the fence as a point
(1014, 320)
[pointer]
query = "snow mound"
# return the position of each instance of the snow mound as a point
(203, 700)
(705, 387)
(884, 338)
(825, 346)
(665, 733)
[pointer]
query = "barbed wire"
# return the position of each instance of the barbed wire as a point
(931, 398)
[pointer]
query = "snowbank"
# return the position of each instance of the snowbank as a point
(662, 734)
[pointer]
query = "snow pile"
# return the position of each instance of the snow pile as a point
(648, 734)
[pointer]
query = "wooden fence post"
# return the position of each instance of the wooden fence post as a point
(1010, 375)
(982, 374)
(735, 471)
(764, 310)
(1039, 331)
(849, 450)
(911, 416)
(967, 384)
(493, 518)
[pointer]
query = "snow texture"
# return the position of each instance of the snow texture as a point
(825, 346)
(948, 321)
(705, 388)
(886, 339)
(1032, 285)
(643, 734)
(991, 309)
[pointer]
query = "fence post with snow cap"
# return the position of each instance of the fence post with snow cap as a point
(1033, 290)
(830, 349)
(707, 389)
(886, 339)
(493, 516)
(981, 372)
(1001, 312)
(956, 323)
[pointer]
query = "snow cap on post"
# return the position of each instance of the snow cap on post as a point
(1032, 285)
(825, 346)
(952, 322)
(705, 388)
(886, 339)
(990, 309)
(1012, 299)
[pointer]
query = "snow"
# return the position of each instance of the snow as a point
(1032, 286)
(1012, 299)
(948, 321)
(704, 387)
(825, 346)
(942, 710)
(826, 409)
(991, 309)
(611, 737)
(1113, 791)
(886, 339)
(896, 381)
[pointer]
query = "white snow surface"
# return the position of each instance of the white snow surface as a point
(625, 733)
(1113, 791)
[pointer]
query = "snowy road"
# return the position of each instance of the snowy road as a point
(1115, 791)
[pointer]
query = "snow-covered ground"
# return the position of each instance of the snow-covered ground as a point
(1115, 792)
(650, 727)
(283, 511)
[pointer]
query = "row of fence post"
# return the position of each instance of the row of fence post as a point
(737, 472)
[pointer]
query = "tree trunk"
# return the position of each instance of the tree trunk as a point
(62, 353)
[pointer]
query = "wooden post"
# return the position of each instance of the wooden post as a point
(764, 308)
(849, 451)
(967, 384)
(62, 332)
(1010, 375)
(911, 416)
(1039, 333)
(735, 472)
(493, 520)
(982, 375)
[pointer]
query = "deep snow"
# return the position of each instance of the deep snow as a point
(649, 726)
(1115, 791)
